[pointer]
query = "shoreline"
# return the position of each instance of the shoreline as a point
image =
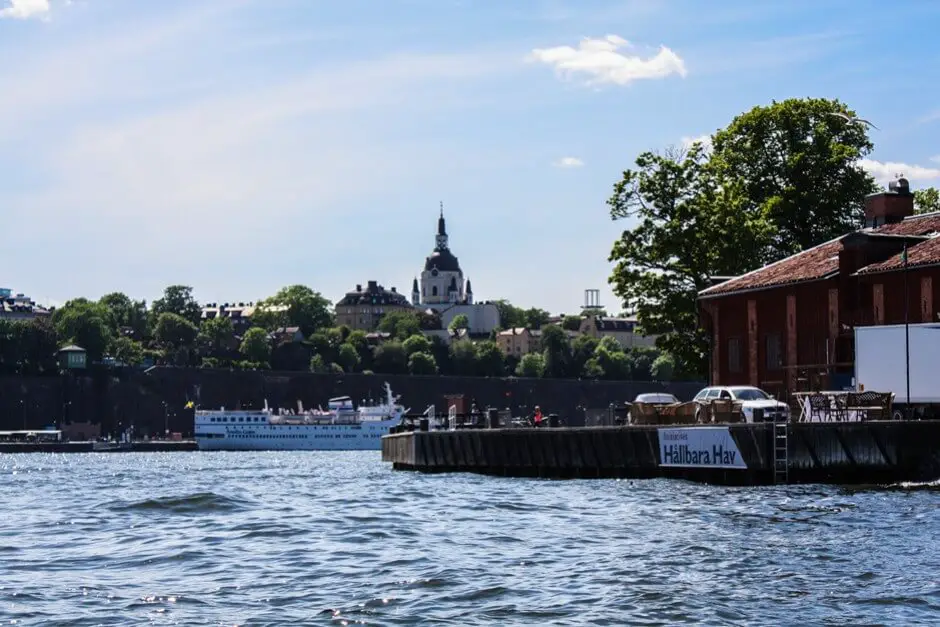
(168, 446)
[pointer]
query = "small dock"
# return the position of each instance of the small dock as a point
(848, 453)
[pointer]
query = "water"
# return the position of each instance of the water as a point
(338, 538)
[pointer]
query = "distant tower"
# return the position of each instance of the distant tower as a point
(441, 271)
(592, 301)
(469, 293)
(441, 230)
(415, 294)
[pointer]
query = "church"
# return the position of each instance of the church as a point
(444, 289)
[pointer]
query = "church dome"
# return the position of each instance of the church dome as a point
(443, 260)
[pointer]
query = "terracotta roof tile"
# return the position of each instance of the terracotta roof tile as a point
(915, 225)
(823, 260)
(808, 265)
(923, 254)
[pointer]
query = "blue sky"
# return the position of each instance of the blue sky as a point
(241, 145)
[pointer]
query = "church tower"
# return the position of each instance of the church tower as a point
(415, 293)
(442, 279)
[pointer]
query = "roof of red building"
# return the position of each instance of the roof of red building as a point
(822, 261)
(924, 254)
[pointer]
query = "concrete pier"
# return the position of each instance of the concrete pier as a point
(738, 454)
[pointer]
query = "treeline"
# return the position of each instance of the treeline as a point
(119, 331)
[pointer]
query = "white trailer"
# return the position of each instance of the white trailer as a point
(881, 366)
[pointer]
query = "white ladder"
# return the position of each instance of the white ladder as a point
(781, 450)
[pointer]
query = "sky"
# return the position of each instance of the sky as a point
(238, 146)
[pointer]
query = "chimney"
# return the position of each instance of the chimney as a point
(394, 290)
(358, 287)
(889, 207)
(373, 285)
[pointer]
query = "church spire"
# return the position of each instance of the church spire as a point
(441, 230)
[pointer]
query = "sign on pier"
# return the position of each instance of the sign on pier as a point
(699, 447)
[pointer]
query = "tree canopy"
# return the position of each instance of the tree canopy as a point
(926, 200)
(179, 300)
(295, 306)
(778, 179)
(798, 166)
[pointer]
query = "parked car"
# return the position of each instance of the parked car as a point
(751, 398)
(657, 399)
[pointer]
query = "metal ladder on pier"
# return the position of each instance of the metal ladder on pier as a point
(781, 458)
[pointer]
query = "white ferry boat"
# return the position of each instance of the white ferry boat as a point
(340, 428)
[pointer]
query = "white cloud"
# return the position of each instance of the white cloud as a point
(568, 162)
(600, 60)
(885, 171)
(705, 140)
(935, 159)
(25, 9)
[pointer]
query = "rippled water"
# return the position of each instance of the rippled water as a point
(338, 538)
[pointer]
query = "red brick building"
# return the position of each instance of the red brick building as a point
(789, 326)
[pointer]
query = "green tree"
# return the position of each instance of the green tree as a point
(417, 344)
(489, 359)
(318, 365)
(27, 347)
(255, 345)
(124, 312)
(216, 334)
(689, 224)
(127, 351)
(926, 200)
(348, 358)
(174, 331)
(642, 359)
(592, 369)
(463, 358)
(325, 344)
(571, 323)
(390, 358)
(460, 321)
(358, 340)
(582, 350)
(531, 365)
(798, 165)
(294, 306)
(556, 350)
(510, 316)
(663, 368)
(612, 360)
(400, 324)
(440, 350)
(85, 324)
(421, 363)
(535, 317)
(178, 299)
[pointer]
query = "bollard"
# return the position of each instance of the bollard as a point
(423, 424)
(553, 421)
(492, 418)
